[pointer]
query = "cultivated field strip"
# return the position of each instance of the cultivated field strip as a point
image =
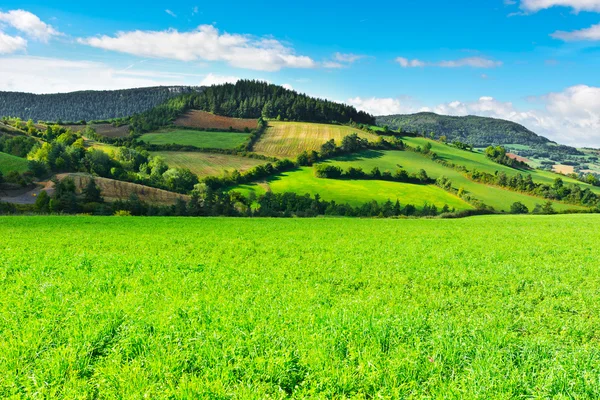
(288, 139)
(208, 164)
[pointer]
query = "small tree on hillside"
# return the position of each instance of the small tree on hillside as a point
(518, 208)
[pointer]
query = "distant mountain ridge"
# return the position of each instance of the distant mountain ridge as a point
(87, 105)
(478, 131)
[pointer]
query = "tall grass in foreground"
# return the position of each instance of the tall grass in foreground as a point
(486, 307)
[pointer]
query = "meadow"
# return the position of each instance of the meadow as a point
(8, 163)
(355, 192)
(190, 137)
(205, 164)
(170, 308)
(475, 160)
(412, 162)
(288, 139)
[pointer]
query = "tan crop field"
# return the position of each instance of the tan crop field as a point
(288, 139)
(205, 164)
(205, 120)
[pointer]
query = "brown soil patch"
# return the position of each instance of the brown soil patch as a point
(107, 130)
(518, 158)
(205, 120)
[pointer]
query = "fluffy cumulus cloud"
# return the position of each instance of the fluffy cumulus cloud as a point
(473, 62)
(11, 44)
(204, 43)
(28, 23)
(51, 75)
(576, 5)
(589, 34)
(569, 117)
(212, 79)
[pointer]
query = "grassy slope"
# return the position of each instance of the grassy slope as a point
(205, 164)
(475, 160)
(8, 163)
(288, 139)
(412, 162)
(321, 308)
(187, 137)
(303, 181)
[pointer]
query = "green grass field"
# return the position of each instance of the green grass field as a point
(476, 160)
(188, 137)
(8, 163)
(205, 164)
(173, 308)
(355, 192)
(288, 139)
(412, 162)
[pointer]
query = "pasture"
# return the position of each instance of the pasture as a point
(8, 163)
(478, 161)
(355, 192)
(163, 308)
(412, 162)
(288, 139)
(202, 139)
(205, 120)
(207, 164)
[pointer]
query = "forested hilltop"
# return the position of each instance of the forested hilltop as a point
(251, 99)
(478, 131)
(87, 105)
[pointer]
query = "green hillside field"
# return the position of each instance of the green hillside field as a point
(8, 163)
(166, 308)
(478, 161)
(189, 137)
(355, 192)
(412, 162)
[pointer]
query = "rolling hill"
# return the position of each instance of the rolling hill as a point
(478, 131)
(86, 105)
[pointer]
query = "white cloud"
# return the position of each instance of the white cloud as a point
(590, 34)
(287, 86)
(171, 13)
(11, 44)
(347, 58)
(205, 43)
(51, 75)
(332, 65)
(576, 5)
(212, 79)
(385, 106)
(569, 117)
(473, 62)
(28, 23)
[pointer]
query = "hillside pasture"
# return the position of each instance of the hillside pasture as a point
(475, 160)
(488, 307)
(205, 120)
(288, 139)
(355, 192)
(412, 162)
(208, 164)
(8, 163)
(200, 139)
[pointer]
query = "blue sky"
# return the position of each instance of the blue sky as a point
(531, 61)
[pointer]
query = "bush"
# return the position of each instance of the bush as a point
(518, 208)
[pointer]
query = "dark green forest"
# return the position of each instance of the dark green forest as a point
(86, 105)
(478, 131)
